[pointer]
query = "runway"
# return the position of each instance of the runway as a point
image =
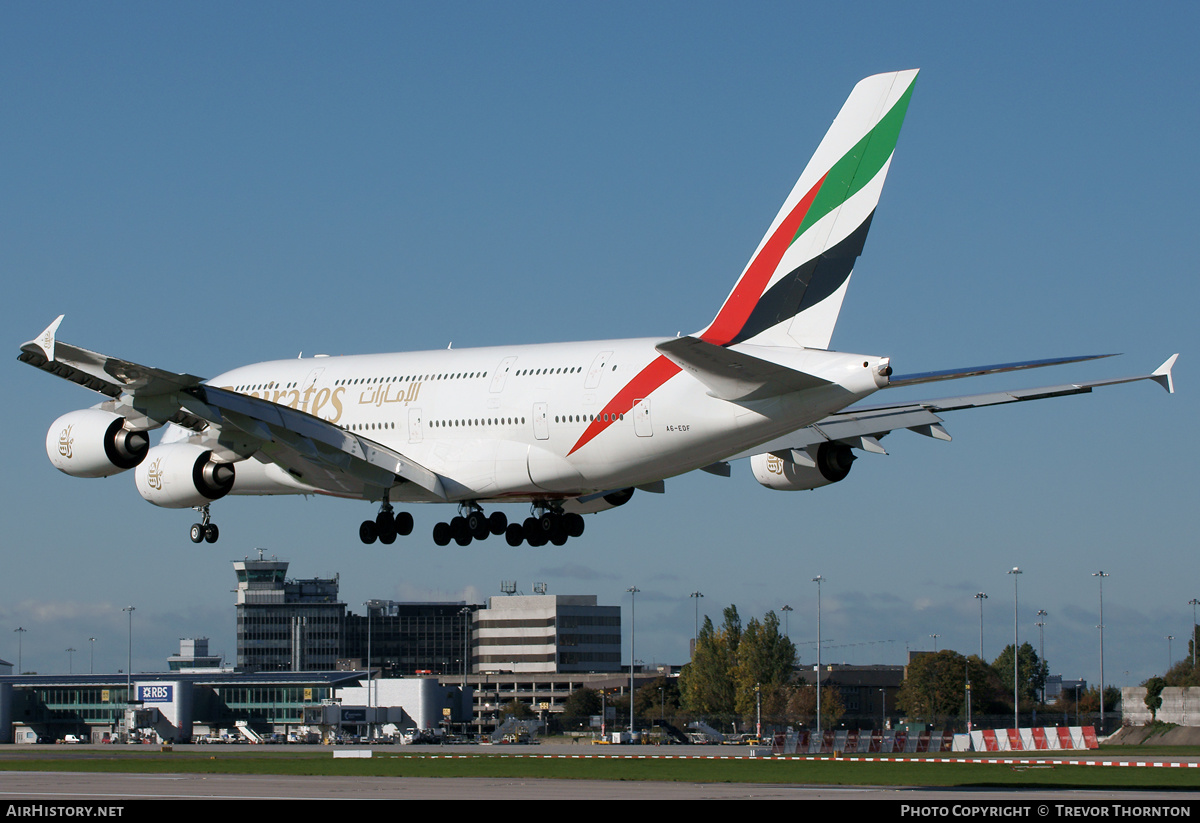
(114, 788)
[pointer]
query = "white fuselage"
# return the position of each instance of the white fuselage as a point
(544, 421)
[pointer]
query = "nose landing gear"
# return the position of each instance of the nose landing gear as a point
(204, 530)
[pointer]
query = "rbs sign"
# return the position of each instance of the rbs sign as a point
(155, 694)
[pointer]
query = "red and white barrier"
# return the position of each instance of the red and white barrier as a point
(1039, 738)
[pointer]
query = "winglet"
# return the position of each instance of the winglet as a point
(1162, 375)
(45, 340)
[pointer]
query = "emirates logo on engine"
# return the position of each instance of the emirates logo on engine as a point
(66, 442)
(774, 464)
(154, 475)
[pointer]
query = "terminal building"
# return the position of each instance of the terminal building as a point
(307, 668)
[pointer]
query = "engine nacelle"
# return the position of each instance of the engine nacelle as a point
(599, 504)
(94, 443)
(833, 461)
(183, 475)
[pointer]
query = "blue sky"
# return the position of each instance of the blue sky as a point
(200, 186)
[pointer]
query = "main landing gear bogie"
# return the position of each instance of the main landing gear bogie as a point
(470, 524)
(546, 524)
(386, 526)
(550, 526)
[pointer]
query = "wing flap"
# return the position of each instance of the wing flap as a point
(314, 441)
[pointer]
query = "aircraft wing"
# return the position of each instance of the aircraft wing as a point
(862, 426)
(315, 452)
(312, 450)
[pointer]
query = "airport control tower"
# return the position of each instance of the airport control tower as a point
(286, 625)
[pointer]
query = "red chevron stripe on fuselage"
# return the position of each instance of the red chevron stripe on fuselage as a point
(640, 387)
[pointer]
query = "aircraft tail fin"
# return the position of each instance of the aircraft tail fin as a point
(791, 291)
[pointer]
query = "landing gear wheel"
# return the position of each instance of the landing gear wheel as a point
(532, 529)
(385, 526)
(211, 533)
(459, 531)
(534, 534)
(404, 524)
(550, 523)
(478, 525)
(368, 532)
(514, 534)
(197, 533)
(497, 523)
(441, 534)
(574, 524)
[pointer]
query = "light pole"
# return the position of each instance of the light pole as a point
(818, 580)
(1170, 656)
(1015, 572)
(129, 661)
(1041, 624)
(1101, 575)
(980, 596)
(92, 655)
(935, 637)
(20, 630)
(465, 611)
(71, 661)
(967, 677)
(696, 597)
(633, 590)
(1193, 602)
(786, 609)
(370, 717)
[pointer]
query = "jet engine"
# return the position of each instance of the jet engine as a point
(94, 443)
(183, 475)
(831, 463)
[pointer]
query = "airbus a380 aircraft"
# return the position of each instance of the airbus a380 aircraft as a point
(570, 428)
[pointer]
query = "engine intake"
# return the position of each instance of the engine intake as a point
(95, 443)
(183, 475)
(833, 460)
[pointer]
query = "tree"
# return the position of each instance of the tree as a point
(1089, 701)
(766, 661)
(579, 707)
(1154, 687)
(517, 709)
(729, 664)
(658, 698)
(1183, 673)
(802, 705)
(707, 683)
(832, 706)
(935, 687)
(1031, 670)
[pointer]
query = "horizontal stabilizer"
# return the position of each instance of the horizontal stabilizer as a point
(955, 374)
(732, 375)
